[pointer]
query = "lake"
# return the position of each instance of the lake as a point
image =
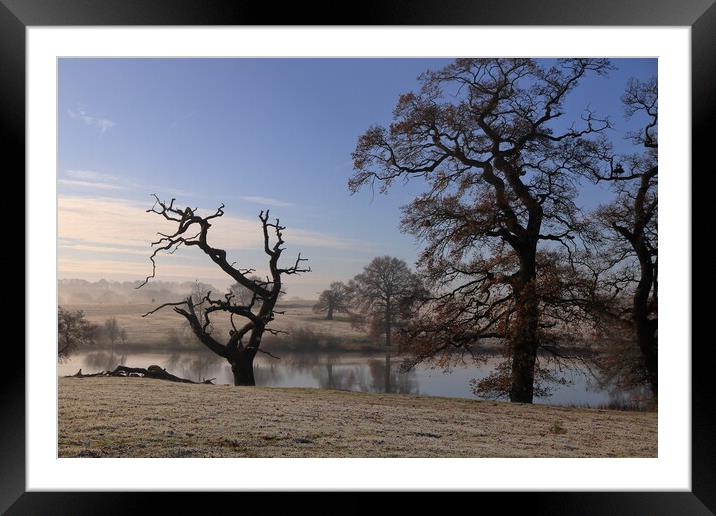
(348, 371)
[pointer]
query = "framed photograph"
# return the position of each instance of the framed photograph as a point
(409, 251)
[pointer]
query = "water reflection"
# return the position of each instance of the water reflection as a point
(367, 375)
(332, 371)
(356, 372)
(197, 366)
(103, 361)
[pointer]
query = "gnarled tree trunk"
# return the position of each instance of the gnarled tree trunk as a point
(242, 367)
(524, 338)
(646, 328)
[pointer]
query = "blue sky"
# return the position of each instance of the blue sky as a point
(253, 134)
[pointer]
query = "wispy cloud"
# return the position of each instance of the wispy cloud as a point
(120, 222)
(80, 113)
(104, 181)
(71, 267)
(89, 184)
(91, 175)
(267, 201)
(92, 179)
(110, 238)
(103, 249)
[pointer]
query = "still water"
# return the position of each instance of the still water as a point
(355, 372)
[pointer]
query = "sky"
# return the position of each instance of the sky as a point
(253, 134)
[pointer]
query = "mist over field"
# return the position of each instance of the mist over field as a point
(103, 301)
(103, 292)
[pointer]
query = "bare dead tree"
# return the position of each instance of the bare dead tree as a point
(244, 339)
(488, 138)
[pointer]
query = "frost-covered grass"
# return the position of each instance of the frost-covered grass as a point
(134, 417)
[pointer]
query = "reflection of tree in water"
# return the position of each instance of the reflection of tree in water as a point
(330, 376)
(618, 396)
(268, 374)
(387, 377)
(636, 398)
(377, 375)
(103, 361)
(198, 366)
(350, 372)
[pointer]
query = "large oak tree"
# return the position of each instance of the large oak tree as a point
(490, 140)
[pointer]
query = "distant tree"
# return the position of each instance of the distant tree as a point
(74, 332)
(335, 299)
(199, 290)
(385, 294)
(244, 340)
(244, 295)
(489, 139)
(113, 332)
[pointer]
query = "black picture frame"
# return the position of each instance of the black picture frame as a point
(17, 15)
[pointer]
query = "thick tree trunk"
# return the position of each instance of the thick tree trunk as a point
(388, 386)
(242, 367)
(648, 344)
(388, 323)
(525, 335)
(329, 315)
(646, 328)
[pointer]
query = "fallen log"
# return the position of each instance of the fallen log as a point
(79, 374)
(153, 371)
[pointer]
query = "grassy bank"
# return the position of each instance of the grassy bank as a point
(133, 417)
